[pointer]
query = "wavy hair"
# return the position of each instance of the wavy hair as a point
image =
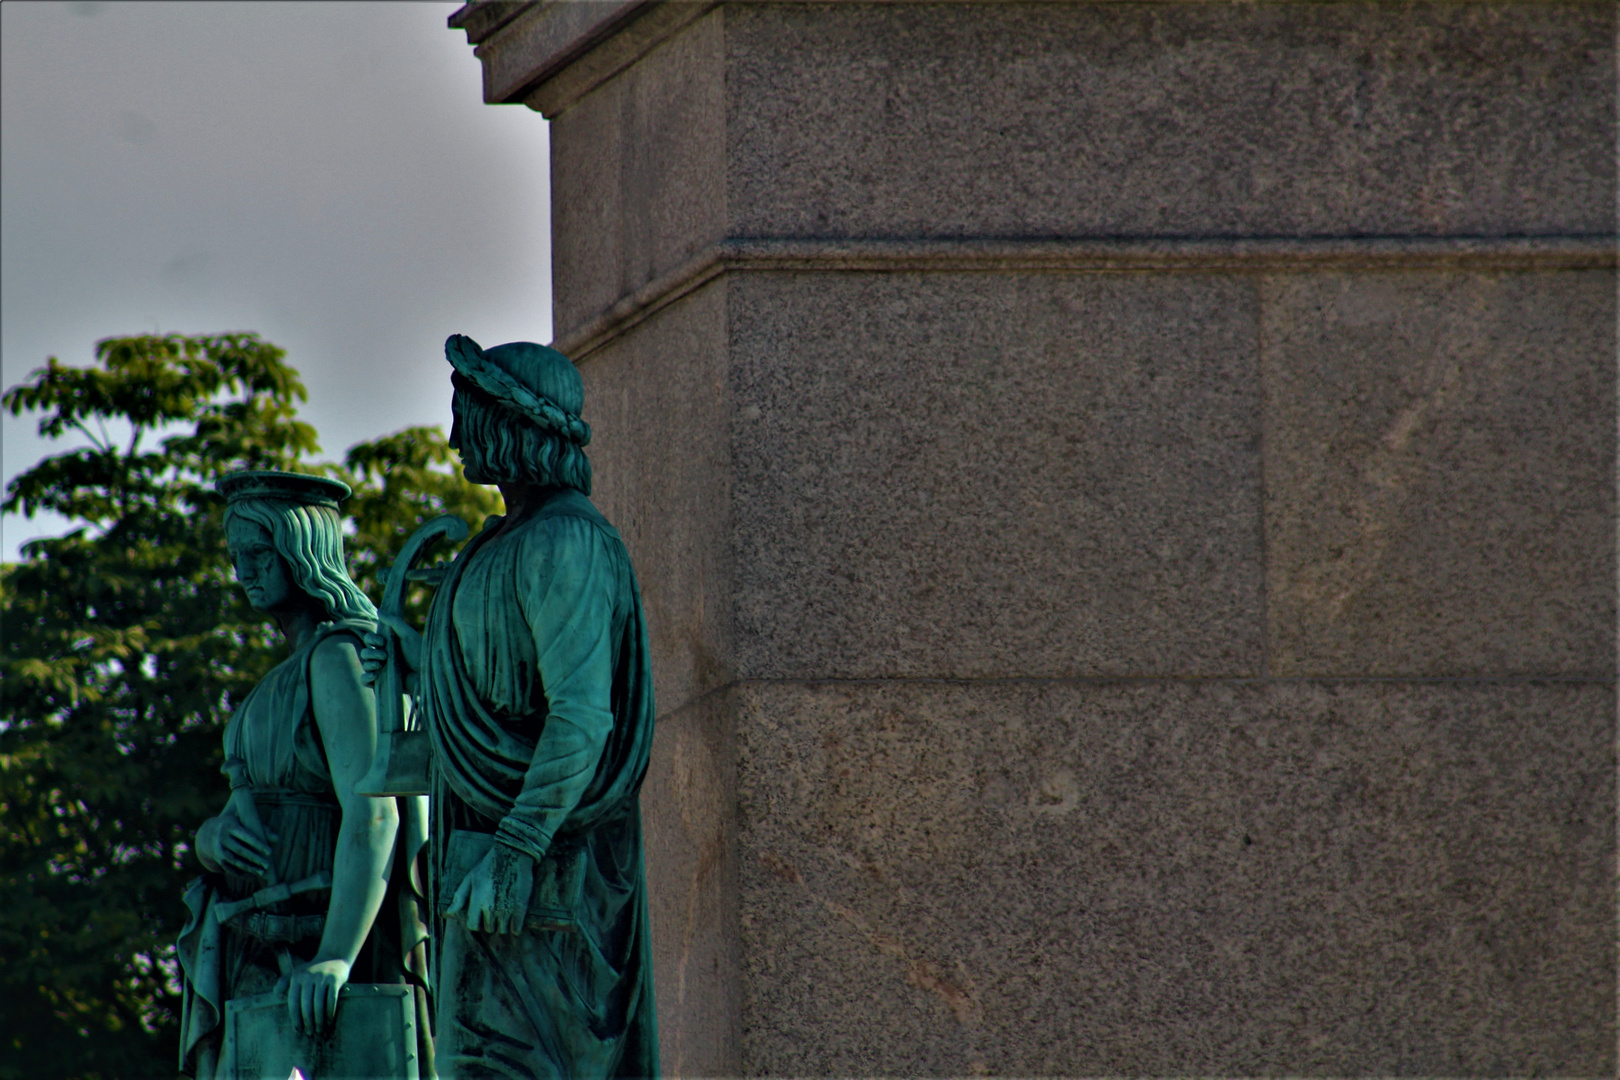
(498, 445)
(310, 539)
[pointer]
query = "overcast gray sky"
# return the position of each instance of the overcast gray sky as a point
(323, 173)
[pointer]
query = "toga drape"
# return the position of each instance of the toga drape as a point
(536, 690)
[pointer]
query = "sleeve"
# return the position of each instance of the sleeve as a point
(566, 594)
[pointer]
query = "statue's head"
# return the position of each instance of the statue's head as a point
(516, 410)
(286, 541)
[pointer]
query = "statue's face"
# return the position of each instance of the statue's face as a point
(262, 572)
(456, 443)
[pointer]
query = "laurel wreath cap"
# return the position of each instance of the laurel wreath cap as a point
(468, 358)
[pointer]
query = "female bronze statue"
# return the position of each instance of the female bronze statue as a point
(300, 863)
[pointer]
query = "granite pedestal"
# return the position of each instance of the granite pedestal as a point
(1125, 500)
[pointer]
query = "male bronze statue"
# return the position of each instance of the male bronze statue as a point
(535, 687)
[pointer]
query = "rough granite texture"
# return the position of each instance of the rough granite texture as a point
(1251, 119)
(987, 475)
(1177, 878)
(1030, 120)
(633, 175)
(657, 402)
(689, 820)
(1192, 672)
(1440, 473)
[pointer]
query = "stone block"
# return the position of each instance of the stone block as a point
(634, 168)
(688, 810)
(1440, 473)
(1177, 878)
(988, 475)
(1283, 119)
(657, 399)
(1196, 659)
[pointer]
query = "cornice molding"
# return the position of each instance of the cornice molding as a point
(547, 54)
(1087, 255)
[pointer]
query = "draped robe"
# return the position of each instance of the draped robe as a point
(536, 691)
(275, 742)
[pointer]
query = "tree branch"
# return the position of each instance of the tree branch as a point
(97, 443)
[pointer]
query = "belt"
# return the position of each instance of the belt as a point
(288, 797)
(275, 894)
(289, 928)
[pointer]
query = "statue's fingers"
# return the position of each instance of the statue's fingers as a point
(458, 903)
(243, 837)
(241, 857)
(482, 902)
(254, 860)
(229, 851)
(292, 1006)
(311, 1012)
(245, 867)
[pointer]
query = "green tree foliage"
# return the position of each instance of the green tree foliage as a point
(125, 645)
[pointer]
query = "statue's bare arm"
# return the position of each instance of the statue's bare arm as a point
(345, 713)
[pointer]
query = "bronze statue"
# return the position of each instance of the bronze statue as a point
(303, 947)
(535, 689)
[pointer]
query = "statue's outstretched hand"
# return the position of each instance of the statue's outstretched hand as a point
(494, 897)
(312, 994)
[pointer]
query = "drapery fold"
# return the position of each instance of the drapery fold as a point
(481, 758)
(540, 754)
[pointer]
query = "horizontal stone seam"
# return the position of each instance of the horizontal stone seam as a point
(1090, 255)
(1021, 680)
(640, 305)
(693, 703)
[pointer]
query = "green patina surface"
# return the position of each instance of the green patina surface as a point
(532, 681)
